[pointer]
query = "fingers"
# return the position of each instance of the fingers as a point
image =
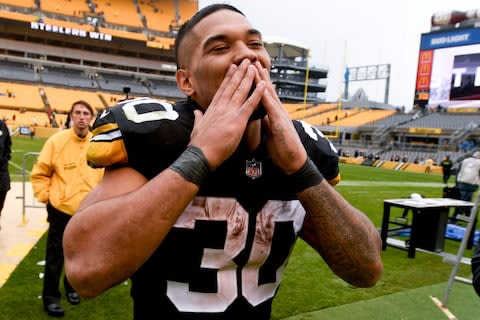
(228, 113)
(240, 94)
(236, 81)
(270, 100)
(198, 116)
(228, 77)
(264, 74)
(233, 93)
(254, 99)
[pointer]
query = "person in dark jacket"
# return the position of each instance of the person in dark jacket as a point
(446, 168)
(5, 153)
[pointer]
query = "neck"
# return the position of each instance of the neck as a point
(82, 133)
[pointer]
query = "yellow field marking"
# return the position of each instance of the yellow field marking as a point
(35, 233)
(5, 271)
(19, 250)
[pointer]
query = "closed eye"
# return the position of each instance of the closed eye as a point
(255, 44)
(219, 48)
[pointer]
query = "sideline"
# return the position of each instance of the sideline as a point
(18, 234)
(366, 183)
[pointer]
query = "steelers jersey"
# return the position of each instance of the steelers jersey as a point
(225, 256)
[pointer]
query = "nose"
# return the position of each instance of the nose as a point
(244, 52)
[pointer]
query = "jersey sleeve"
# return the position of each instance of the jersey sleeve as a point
(320, 150)
(106, 147)
(144, 133)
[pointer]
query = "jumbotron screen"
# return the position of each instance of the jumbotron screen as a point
(448, 73)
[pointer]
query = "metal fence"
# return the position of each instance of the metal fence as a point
(28, 159)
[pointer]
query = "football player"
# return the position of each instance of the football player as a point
(203, 200)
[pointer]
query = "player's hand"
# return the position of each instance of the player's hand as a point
(219, 130)
(283, 143)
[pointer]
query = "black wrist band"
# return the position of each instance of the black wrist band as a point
(192, 165)
(305, 177)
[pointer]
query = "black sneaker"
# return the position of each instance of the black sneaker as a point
(52, 307)
(73, 298)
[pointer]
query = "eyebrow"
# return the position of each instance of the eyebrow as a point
(223, 37)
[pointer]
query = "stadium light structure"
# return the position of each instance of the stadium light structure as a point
(366, 73)
(305, 91)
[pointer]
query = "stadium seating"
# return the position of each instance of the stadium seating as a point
(111, 82)
(16, 71)
(187, 9)
(123, 34)
(161, 88)
(25, 75)
(20, 3)
(18, 16)
(119, 12)
(307, 112)
(66, 77)
(329, 117)
(29, 119)
(20, 96)
(363, 118)
(443, 120)
(158, 14)
(393, 119)
(61, 99)
(65, 7)
(21, 100)
(161, 42)
(292, 107)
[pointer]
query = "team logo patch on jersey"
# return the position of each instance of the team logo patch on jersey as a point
(253, 169)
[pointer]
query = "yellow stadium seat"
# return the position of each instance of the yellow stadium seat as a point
(18, 96)
(121, 12)
(65, 7)
(20, 3)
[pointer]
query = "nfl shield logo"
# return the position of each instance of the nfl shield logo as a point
(253, 169)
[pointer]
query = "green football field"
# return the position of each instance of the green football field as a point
(309, 290)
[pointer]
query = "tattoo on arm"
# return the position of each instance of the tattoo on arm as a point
(343, 236)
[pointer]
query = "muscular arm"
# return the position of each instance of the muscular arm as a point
(118, 228)
(344, 236)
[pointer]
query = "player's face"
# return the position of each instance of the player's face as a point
(220, 39)
(80, 117)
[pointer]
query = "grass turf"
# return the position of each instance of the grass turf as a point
(308, 286)
(414, 304)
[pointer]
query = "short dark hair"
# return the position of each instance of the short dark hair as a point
(195, 19)
(84, 103)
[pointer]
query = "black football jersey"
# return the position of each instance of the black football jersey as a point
(225, 256)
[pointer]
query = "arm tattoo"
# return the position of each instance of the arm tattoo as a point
(343, 236)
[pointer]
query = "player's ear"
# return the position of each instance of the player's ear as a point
(184, 82)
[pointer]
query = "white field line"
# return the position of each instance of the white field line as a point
(366, 183)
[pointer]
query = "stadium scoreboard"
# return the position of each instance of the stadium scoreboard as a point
(448, 72)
